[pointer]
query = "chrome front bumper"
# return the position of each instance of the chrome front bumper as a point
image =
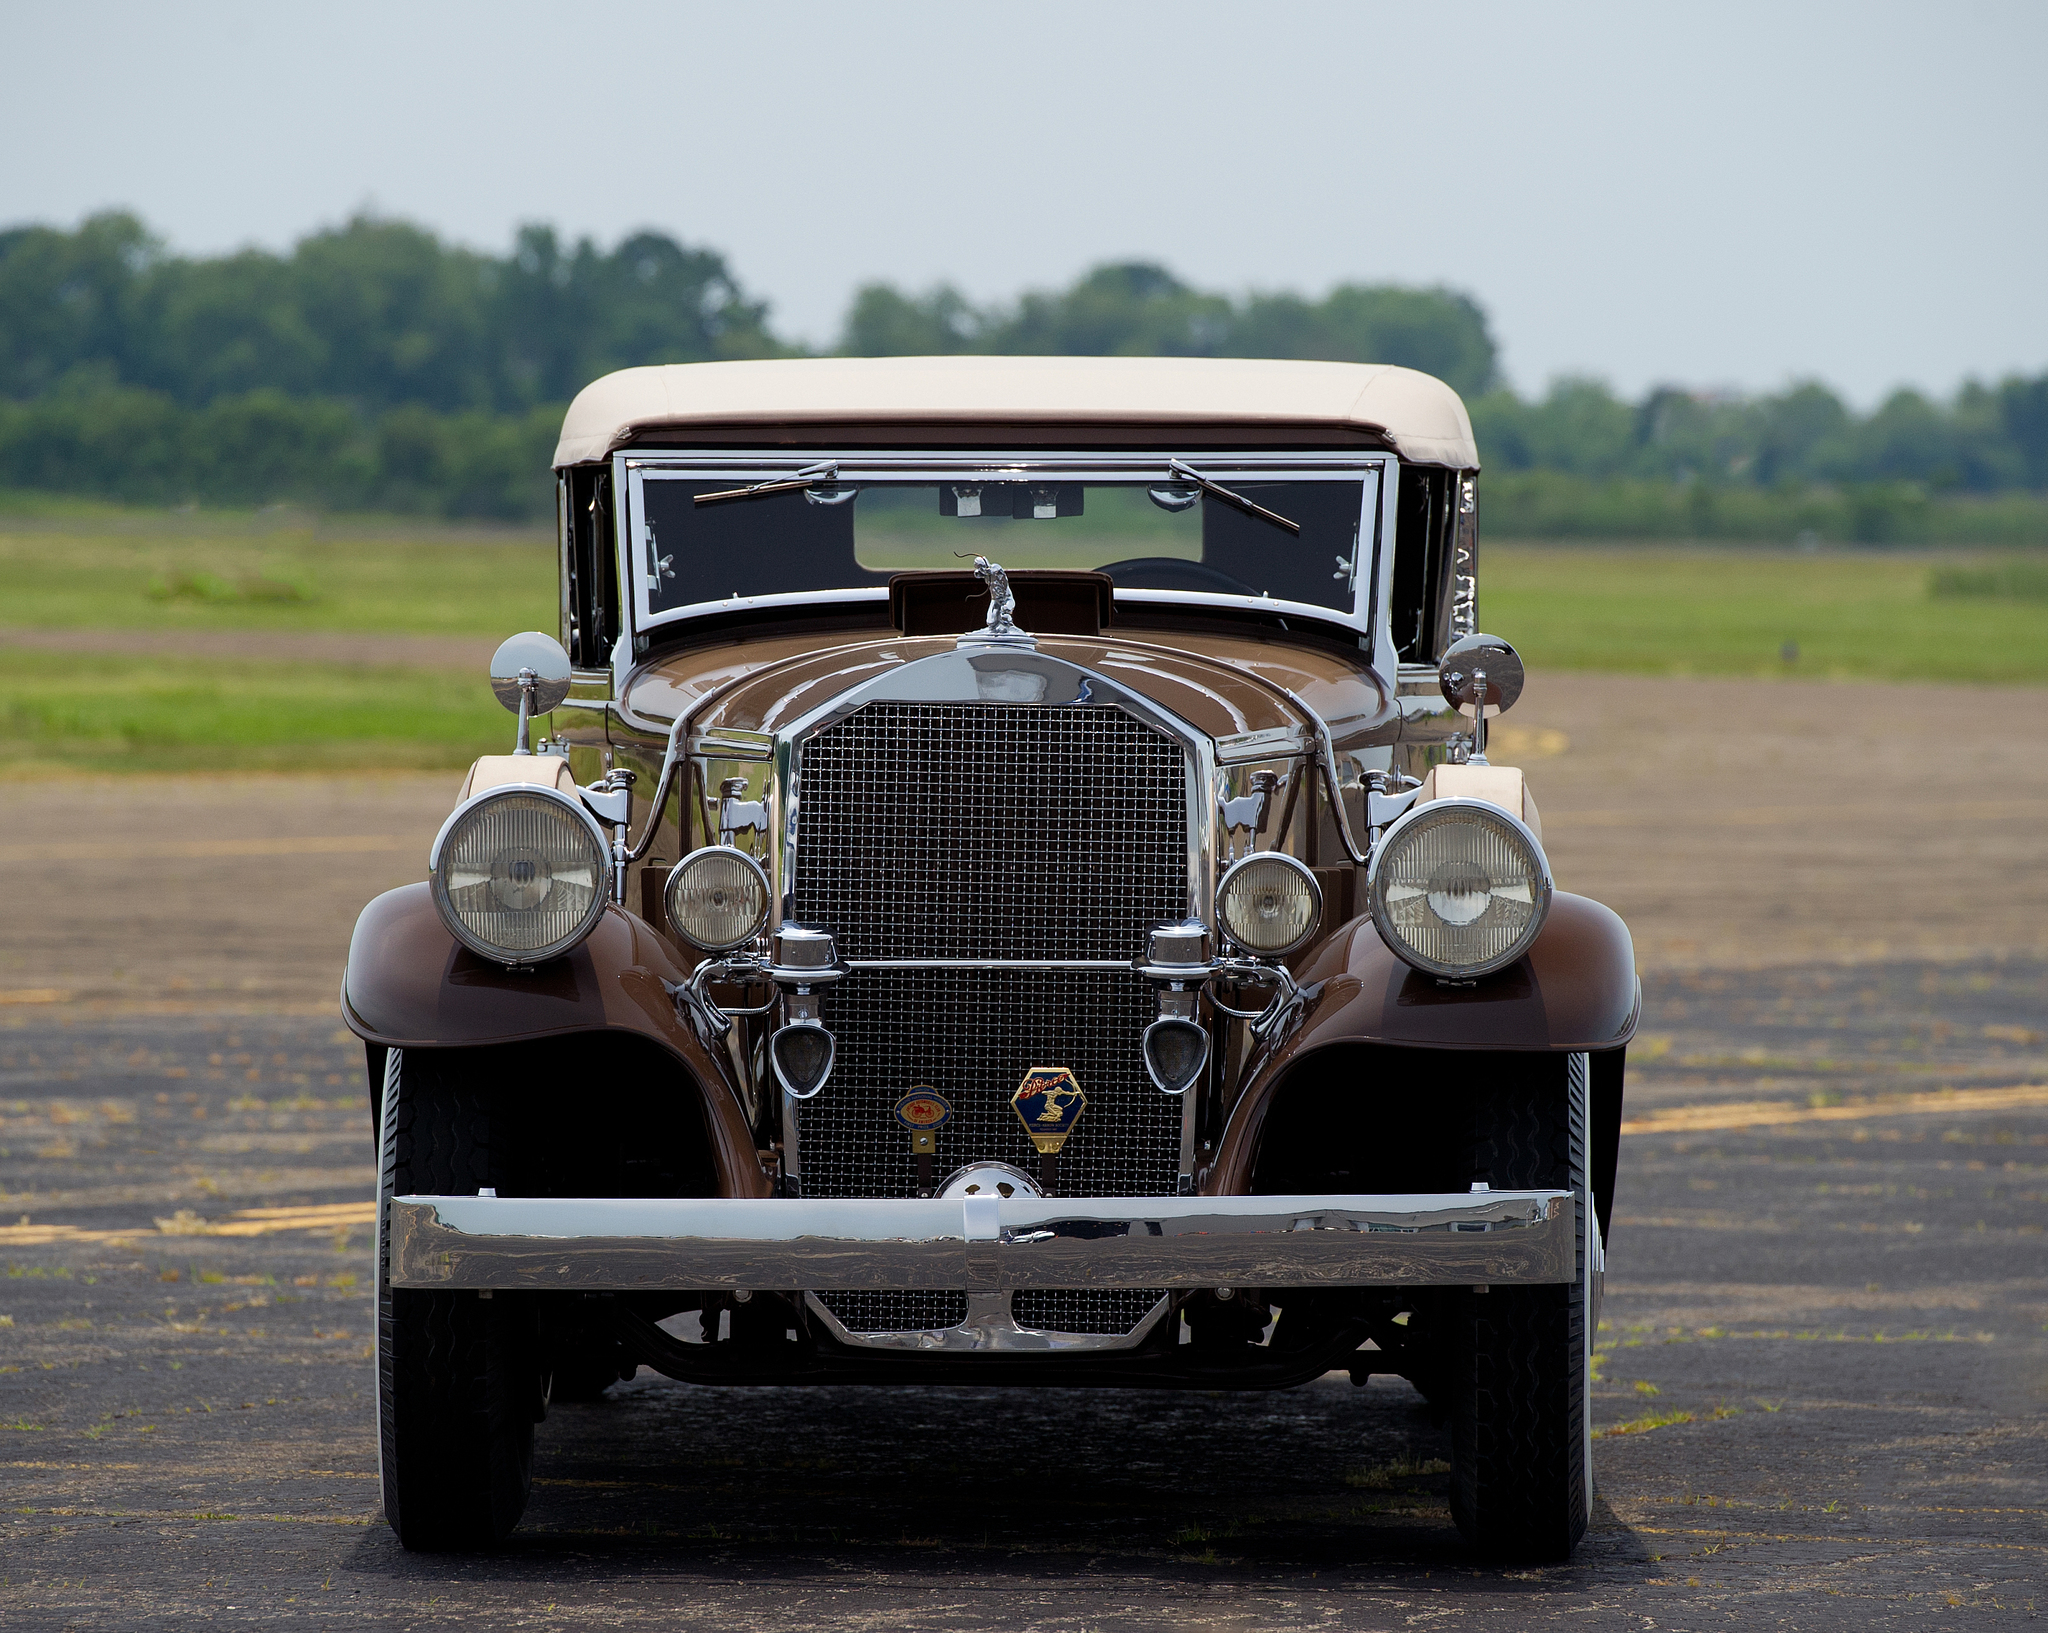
(981, 1244)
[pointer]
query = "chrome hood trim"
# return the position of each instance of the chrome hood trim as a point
(992, 673)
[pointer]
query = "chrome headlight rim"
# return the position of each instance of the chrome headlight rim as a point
(727, 853)
(1542, 888)
(1268, 858)
(518, 957)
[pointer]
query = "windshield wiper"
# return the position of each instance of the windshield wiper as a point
(811, 476)
(1187, 473)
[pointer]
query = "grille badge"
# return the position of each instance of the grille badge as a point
(923, 1109)
(1049, 1102)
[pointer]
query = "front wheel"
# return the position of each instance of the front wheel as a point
(459, 1385)
(1520, 1357)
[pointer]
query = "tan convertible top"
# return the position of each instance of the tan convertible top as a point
(1418, 413)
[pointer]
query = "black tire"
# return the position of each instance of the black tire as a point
(1521, 1473)
(458, 1377)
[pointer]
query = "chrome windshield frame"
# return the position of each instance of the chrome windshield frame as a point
(1378, 472)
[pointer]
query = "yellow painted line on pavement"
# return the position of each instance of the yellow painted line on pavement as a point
(244, 1222)
(202, 1516)
(1772, 1113)
(1860, 1541)
(317, 1210)
(188, 850)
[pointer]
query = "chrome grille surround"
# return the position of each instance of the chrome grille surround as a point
(989, 834)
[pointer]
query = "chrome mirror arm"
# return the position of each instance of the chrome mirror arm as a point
(527, 681)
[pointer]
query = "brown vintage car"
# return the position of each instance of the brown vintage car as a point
(1011, 891)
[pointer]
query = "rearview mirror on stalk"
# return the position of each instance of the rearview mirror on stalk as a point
(1480, 673)
(530, 676)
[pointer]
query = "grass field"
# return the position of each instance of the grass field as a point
(1656, 610)
(105, 711)
(1866, 615)
(176, 576)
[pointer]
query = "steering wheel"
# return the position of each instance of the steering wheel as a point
(1173, 573)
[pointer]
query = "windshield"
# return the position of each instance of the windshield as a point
(813, 533)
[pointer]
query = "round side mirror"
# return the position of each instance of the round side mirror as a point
(1481, 670)
(534, 661)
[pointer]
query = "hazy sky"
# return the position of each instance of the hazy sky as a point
(1725, 195)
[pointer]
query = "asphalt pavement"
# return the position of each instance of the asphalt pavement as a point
(1824, 1361)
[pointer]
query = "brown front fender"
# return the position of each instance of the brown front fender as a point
(411, 985)
(1575, 990)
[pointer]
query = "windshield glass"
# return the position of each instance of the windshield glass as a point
(1146, 536)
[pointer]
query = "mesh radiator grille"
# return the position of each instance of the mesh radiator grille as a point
(1106, 1310)
(955, 830)
(1047, 1310)
(1109, 1311)
(972, 1035)
(895, 1309)
(963, 830)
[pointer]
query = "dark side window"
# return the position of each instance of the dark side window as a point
(1422, 531)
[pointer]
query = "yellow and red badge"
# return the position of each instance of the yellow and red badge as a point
(1049, 1102)
(923, 1110)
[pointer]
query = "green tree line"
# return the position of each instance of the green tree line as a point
(376, 367)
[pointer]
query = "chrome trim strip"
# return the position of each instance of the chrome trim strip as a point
(1274, 743)
(1119, 964)
(990, 1326)
(982, 1244)
(731, 745)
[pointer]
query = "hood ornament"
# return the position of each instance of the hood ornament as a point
(1000, 627)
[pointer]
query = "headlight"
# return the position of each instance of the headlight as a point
(519, 874)
(717, 898)
(1269, 904)
(1459, 888)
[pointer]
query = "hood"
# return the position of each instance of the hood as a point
(1223, 686)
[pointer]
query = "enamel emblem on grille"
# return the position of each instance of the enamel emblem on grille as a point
(922, 1110)
(1049, 1102)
